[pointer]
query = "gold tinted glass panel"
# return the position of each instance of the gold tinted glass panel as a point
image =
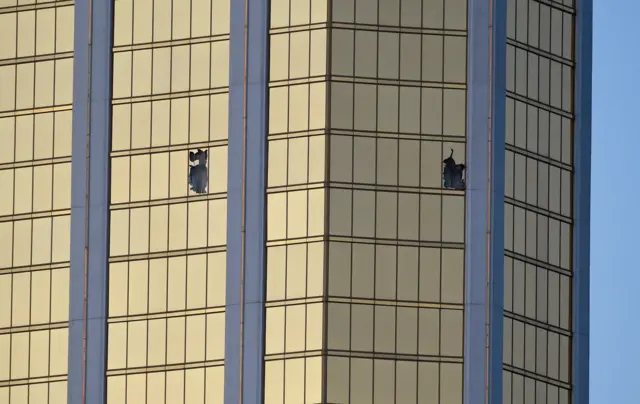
(538, 196)
(365, 252)
(167, 264)
(36, 78)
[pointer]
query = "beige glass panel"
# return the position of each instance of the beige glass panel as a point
(123, 26)
(337, 375)
(338, 326)
(40, 297)
(408, 274)
(139, 231)
(388, 54)
(214, 385)
(429, 270)
(117, 349)
(455, 58)
(175, 387)
(21, 299)
(41, 229)
(409, 110)
(5, 354)
(364, 109)
(177, 273)
(116, 390)
(428, 382)
(8, 26)
(406, 381)
(383, 381)
(156, 344)
(387, 162)
(451, 383)
(541, 351)
(388, 109)
(220, 16)
(60, 295)
(363, 270)
(24, 138)
(361, 379)
(195, 338)
(507, 341)
(294, 381)
(410, 48)
(220, 64)
(362, 318)
(407, 331)
(136, 344)
(178, 226)
(194, 386)
(452, 282)
(26, 33)
(385, 272)
(274, 382)
(541, 288)
(196, 281)
(314, 330)
(20, 349)
(408, 211)
(138, 281)
(176, 340)
(216, 288)
(22, 243)
(429, 332)
(366, 54)
(341, 105)
(215, 336)
(275, 331)
(451, 329)
(295, 328)
(433, 14)
(8, 83)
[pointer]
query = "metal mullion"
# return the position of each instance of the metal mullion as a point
(206, 259)
(168, 207)
(327, 199)
(306, 286)
(441, 197)
(188, 203)
(146, 381)
(375, 193)
(351, 244)
(419, 250)
(397, 248)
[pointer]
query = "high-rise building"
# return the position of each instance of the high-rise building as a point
(294, 201)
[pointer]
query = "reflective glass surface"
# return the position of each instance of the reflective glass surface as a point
(538, 202)
(167, 264)
(36, 77)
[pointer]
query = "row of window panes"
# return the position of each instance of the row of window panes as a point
(191, 386)
(32, 242)
(539, 131)
(536, 350)
(35, 137)
(518, 389)
(537, 183)
(540, 79)
(295, 271)
(298, 160)
(396, 109)
(168, 227)
(35, 189)
(144, 21)
(298, 54)
(394, 330)
(166, 341)
(33, 354)
(171, 69)
(388, 381)
(170, 122)
(163, 175)
(537, 236)
(36, 85)
(167, 285)
(394, 162)
(403, 13)
(293, 381)
(369, 271)
(541, 26)
(34, 297)
(36, 32)
(391, 215)
(537, 293)
(41, 393)
(294, 328)
(396, 56)
(297, 108)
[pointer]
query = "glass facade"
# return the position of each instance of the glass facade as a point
(167, 243)
(366, 248)
(36, 74)
(538, 202)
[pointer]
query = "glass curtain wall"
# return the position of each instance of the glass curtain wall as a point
(36, 82)
(365, 247)
(167, 264)
(538, 201)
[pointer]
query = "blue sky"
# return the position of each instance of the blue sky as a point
(615, 216)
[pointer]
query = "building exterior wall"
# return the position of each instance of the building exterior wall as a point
(36, 73)
(166, 314)
(340, 270)
(539, 217)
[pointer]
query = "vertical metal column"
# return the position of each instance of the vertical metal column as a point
(90, 201)
(484, 202)
(246, 215)
(582, 200)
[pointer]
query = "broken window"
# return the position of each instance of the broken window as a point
(452, 173)
(198, 173)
